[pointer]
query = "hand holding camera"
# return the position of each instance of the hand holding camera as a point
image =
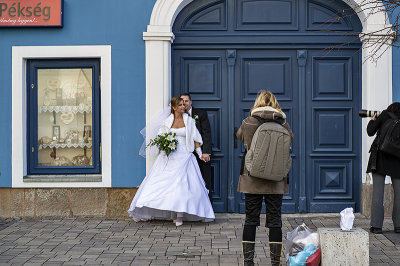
(368, 113)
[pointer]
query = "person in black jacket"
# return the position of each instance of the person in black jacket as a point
(381, 164)
(203, 125)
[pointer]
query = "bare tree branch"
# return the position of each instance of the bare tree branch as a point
(376, 40)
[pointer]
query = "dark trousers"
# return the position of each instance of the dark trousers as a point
(205, 169)
(377, 210)
(273, 204)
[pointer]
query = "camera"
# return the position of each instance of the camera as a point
(368, 113)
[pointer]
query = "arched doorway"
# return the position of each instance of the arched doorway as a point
(225, 51)
(158, 55)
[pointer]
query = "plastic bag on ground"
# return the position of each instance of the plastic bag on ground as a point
(301, 258)
(297, 239)
(314, 259)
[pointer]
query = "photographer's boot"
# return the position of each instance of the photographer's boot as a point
(275, 249)
(248, 252)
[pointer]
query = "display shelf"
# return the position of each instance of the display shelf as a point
(66, 109)
(65, 145)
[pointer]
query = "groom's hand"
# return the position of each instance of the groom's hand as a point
(205, 157)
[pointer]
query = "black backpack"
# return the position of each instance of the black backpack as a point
(390, 136)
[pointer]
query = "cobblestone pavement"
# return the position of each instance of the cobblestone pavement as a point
(98, 241)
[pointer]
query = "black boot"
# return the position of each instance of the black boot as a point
(376, 230)
(276, 253)
(248, 252)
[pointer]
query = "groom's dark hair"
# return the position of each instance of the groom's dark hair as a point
(186, 94)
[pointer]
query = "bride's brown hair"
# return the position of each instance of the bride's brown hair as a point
(175, 101)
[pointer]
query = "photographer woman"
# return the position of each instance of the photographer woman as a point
(381, 164)
(265, 107)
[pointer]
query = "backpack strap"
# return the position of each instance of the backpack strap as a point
(379, 138)
(392, 116)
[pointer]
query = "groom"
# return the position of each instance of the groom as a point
(203, 125)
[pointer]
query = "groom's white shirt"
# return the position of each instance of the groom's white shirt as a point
(192, 134)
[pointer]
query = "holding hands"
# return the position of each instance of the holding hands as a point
(205, 157)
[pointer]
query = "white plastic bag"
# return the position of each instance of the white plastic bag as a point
(346, 219)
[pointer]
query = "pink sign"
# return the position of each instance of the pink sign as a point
(20, 13)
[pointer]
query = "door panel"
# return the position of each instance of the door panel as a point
(332, 136)
(202, 73)
(274, 70)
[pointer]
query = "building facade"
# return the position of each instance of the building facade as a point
(75, 96)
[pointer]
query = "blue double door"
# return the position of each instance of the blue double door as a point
(317, 88)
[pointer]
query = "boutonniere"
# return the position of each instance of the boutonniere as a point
(196, 118)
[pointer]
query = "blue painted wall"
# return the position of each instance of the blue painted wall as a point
(396, 76)
(102, 22)
(396, 63)
(93, 22)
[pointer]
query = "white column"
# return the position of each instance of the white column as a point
(376, 85)
(158, 74)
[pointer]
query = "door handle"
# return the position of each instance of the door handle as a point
(235, 137)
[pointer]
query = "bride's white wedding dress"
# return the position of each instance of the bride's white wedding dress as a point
(174, 184)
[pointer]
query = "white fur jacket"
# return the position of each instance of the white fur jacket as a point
(192, 134)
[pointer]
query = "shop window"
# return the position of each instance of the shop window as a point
(63, 111)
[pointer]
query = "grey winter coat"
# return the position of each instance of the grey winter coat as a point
(254, 185)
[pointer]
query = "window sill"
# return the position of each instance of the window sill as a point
(62, 178)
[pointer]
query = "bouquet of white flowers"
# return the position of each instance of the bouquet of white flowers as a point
(165, 142)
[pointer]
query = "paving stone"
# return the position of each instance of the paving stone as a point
(97, 241)
(140, 262)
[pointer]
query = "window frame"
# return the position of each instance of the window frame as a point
(33, 65)
(20, 55)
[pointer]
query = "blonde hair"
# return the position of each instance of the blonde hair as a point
(175, 101)
(266, 98)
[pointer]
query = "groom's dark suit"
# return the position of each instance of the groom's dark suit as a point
(203, 125)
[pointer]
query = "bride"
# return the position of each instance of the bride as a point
(174, 188)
